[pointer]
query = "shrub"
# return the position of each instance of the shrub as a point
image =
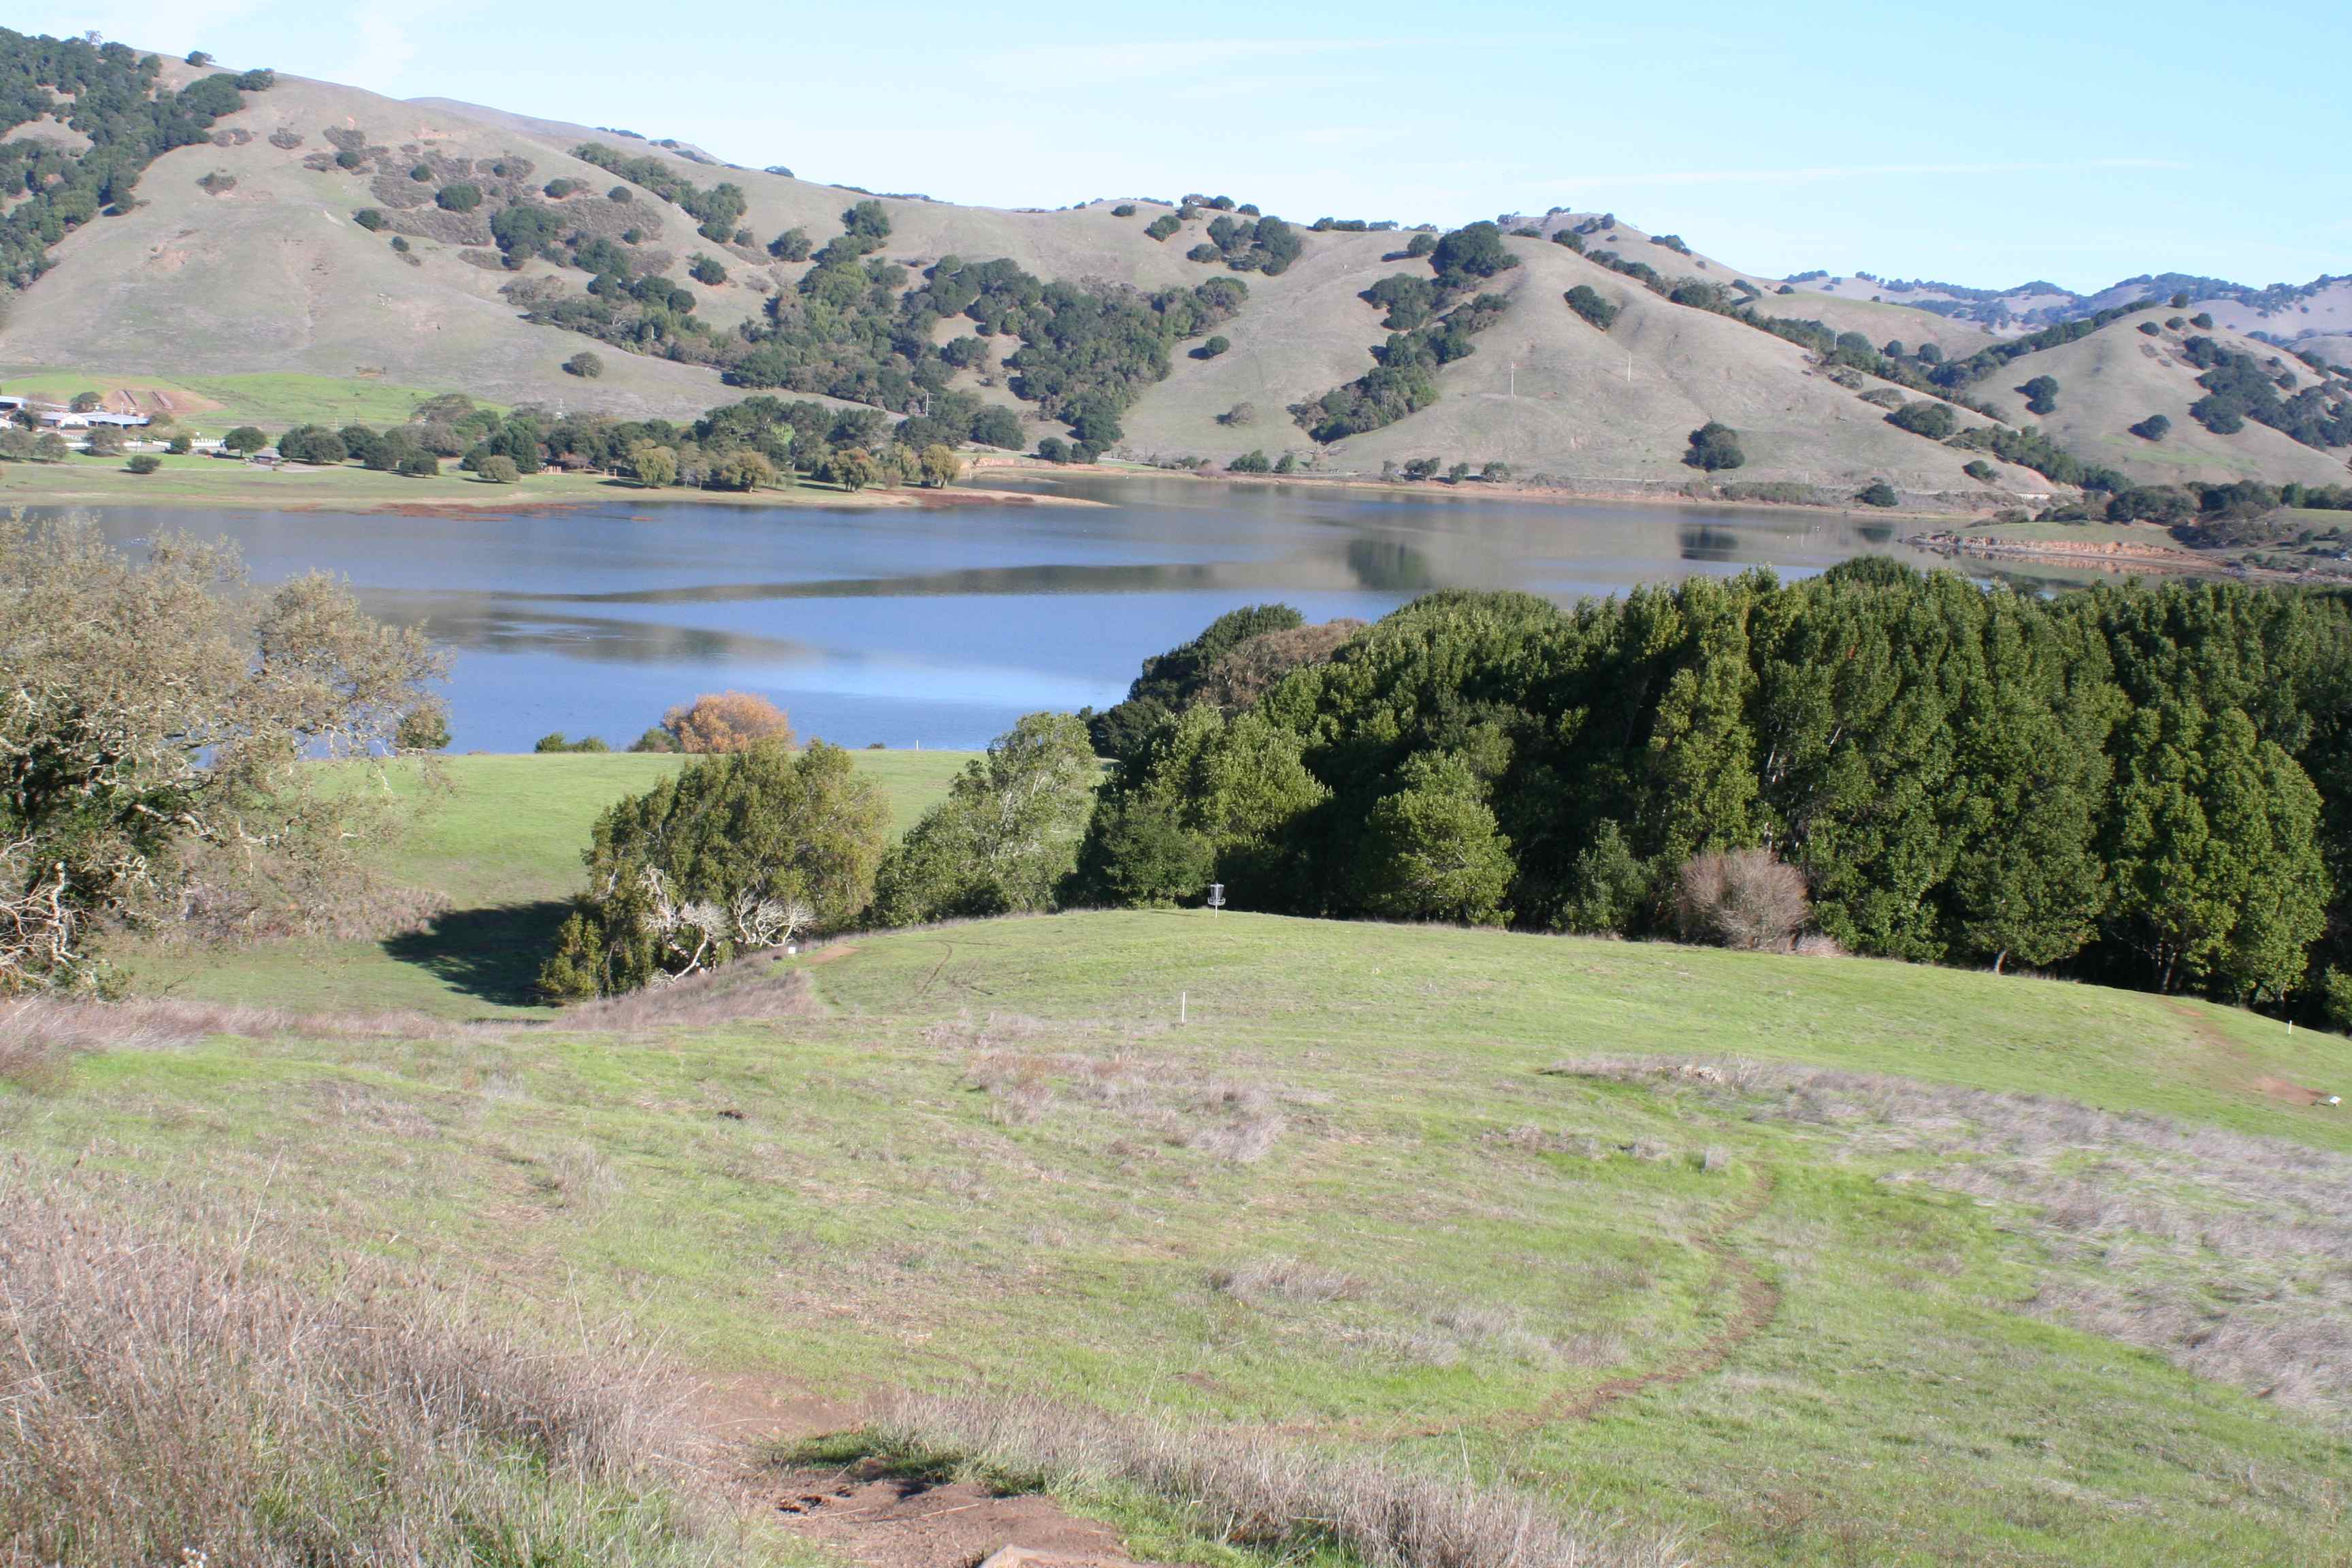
(940, 466)
(2154, 427)
(1252, 462)
(181, 444)
(1124, 209)
(1926, 418)
(144, 463)
(1878, 492)
(558, 742)
(1742, 898)
(728, 721)
(244, 440)
(105, 441)
(1978, 470)
(1588, 302)
(653, 466)
(417, 465)
(499, 469)
(587, 364)
(461, 197)
(1239, 415)
(742, 471)
(369, 218)
(1162, 226)
(1715, 446)
(736, 853)
(792, 244)
(706, 269)
(1212, 348)
(1006, 837)
(2040, 395)
(1421, 244)
(424, 728)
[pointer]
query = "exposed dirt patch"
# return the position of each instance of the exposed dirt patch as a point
(2291, 1092)
(916, 1521)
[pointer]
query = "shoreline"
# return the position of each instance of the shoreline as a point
(356, 491)
(1438, 491)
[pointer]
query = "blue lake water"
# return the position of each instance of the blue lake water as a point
(940, 626)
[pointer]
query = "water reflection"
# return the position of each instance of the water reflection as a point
(941, 627)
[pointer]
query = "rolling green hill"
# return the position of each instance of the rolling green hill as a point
(1799, 1260)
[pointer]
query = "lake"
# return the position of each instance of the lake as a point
(940, 626)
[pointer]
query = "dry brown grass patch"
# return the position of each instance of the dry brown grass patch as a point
(1254, 1489)
(167, 1395)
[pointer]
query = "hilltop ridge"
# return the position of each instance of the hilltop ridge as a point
(324, 230)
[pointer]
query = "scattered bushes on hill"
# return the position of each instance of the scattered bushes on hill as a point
(2145, 783)
(1715, 446)
(718, 210)
(112, 95)
(1406, 378)
(2238, 388)
(1265, 245)
(1006, 840)
(735, 853)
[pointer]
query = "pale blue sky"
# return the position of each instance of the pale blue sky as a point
(1982, 144)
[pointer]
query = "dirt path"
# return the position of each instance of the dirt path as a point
(879, 1518)
(917, 1522)
(1758, 1301)
(2240, 1069)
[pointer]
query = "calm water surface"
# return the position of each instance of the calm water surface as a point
(939, 627)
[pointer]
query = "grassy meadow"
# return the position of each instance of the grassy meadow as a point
(498, 839)
(1901, 1289)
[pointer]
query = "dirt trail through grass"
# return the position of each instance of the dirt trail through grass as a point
(1758, 1301)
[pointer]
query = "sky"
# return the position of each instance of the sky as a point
(1985, 144)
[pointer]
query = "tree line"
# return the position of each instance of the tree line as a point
(2148, 786)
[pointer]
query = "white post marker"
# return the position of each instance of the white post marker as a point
(1216, 898)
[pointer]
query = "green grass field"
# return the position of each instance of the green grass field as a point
(500, 838)
(273, 400)
(1383, 1189)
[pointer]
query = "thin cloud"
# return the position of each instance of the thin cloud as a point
(1861, 170)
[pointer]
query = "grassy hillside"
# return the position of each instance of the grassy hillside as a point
(494, 842)
(2118, 375)
(1401, 1190)
(212, 289)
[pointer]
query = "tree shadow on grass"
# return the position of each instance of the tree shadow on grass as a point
(491, 954)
